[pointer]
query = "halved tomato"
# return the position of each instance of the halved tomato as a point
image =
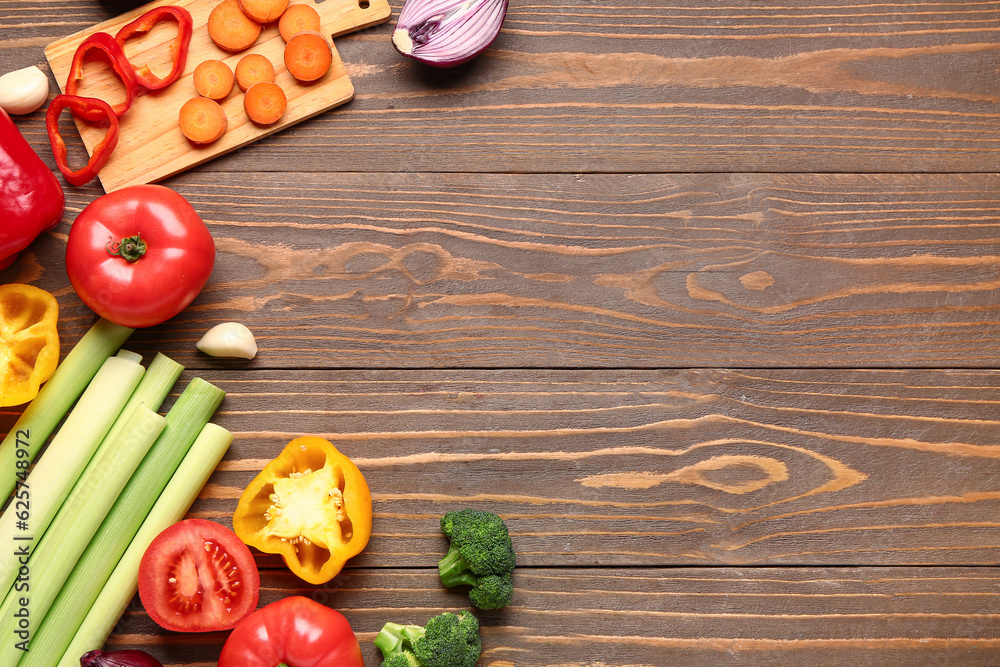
(198, 576)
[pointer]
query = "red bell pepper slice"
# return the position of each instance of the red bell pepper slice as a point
(90, 109)
(106, 44)
(178, 48)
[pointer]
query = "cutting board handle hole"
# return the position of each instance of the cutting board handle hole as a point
(363, 4)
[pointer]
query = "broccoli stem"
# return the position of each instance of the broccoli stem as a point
(454, 570)
(395, 637)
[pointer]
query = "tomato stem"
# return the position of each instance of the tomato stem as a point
(131, 248)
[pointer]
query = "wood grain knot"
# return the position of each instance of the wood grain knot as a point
(731, 473)
(419, 263)
(757, 280)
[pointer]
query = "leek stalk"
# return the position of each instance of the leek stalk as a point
(52, 478)
(185, 485)
(156, 383)
(185, 420)
(69, 534)
(56, 397)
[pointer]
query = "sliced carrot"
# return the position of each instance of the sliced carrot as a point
(252, 69)
(203, 120)
(265, 103)
(213, 79)
(230, 28)
(308, 56)
(296, 19)
(263, 11)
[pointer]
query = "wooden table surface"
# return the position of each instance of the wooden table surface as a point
(702, 297)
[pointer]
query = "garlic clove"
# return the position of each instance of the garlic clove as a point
(230, 339)
(23, 91)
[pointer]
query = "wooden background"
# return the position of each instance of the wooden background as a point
(702, 297)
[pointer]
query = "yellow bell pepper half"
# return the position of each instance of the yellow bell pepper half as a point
(311, 505)
(29, 342)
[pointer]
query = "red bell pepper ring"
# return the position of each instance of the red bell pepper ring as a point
(31, 198)
(89, 109)
(178, 48)
(106, 44)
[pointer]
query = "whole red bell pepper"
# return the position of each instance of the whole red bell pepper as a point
(31, 198)
(296, 632)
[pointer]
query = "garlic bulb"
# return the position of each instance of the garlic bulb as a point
(230, 339)
(23, 91)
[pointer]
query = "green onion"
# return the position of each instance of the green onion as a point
(71, 531)
(55, 398)
(71, 449)
(185, 485)
(185, 420)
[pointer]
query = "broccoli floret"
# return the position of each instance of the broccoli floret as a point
(447, 640)
(401, 659)
(492, 592)
(480, 555)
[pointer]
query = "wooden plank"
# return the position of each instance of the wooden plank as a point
(674, 617)
(821, 86)
(645, 468)
(712, 270)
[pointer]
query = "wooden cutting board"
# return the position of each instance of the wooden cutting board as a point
(151, 146)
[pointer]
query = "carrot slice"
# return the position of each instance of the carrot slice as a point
(265, 103)
(213, 79)
(263, 11)
(252, 69)
(308, 56)
(296, 19)
(202, 120)
(230, 28)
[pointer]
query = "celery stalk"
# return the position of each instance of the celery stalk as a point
(186, 418)
(192, 474)
(39, 497)
(56, 397)
(71, 531)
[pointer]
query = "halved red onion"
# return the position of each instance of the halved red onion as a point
(446, 33)
(126, 658)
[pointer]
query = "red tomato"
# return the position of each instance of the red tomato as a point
(159, 283)
(198, 576)
(294, 631)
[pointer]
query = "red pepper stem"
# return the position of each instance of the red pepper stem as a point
(281, 664)
(131, 248)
